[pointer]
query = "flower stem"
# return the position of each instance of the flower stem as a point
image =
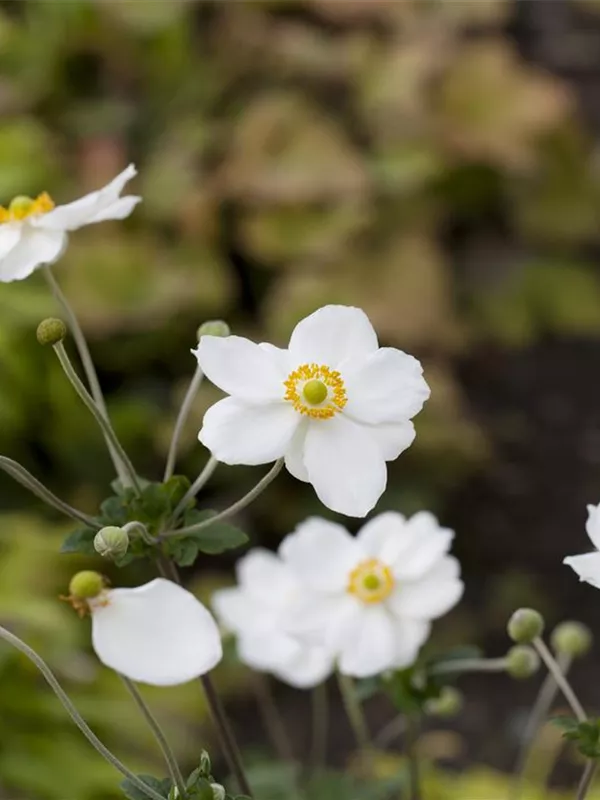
(184, 413)
(411, 738)
(200, 481)
(26, 479)
(391, 731)
(169, 756)
(563, 683)
(13, 640)
(274, 724)
(469, 665)
(110, 435)
(539, 713)
(587, 778)
(233, 509)
(320, 726)
(86, 361)
(355, 713)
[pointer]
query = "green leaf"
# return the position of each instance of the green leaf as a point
(586, 735)
(80, 541)
(131, 791)
(183, 551)
(215, 538)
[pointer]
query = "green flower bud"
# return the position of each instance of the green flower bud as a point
(111, 542)
(522, 662)
(218, 791)
(51, 331)
(205, 765)
(448, 704)
(86, 584)
(214, 327)
(571, 639)
(525, 625)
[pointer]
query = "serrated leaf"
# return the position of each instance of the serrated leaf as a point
(215, 538)
(183, 551)
(131, 791)
(80, 541)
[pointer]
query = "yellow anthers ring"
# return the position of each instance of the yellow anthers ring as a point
(22, 206)
(316, 390)
(372, 581)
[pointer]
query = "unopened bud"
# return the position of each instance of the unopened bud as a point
(522, 662)
(111, 542)
(525, 625)
(205, 765)
(571, 639)
(86, 584)
(51, 331)
(214, 327)
(448, 704)
(218, 791)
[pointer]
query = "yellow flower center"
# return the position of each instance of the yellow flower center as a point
(22, 206)
(372, 581)
(315, 390)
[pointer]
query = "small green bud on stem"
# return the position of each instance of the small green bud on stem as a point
(111, 542)
(525, 625)
(213, 327)
(86, 584)
(51, 331)
(571, 639)
(522, 662)
(448, 704)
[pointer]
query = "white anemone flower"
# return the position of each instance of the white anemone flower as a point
(34, 231)
(257, 611)
(158, 633)
(372, 597)
(587, 566)
(334, 404)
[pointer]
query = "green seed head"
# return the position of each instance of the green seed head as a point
(522, 662)
(51, 331)
(525, 625)
(111, 542)
(372, 583)
(86, 584)
(315, 392)
(20, 205)
(448, 704)
(572, 639)
(214, 327)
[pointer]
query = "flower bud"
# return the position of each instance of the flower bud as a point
(522, 662)
(448, 704)
(214, 327)
(525, 625)
(205, 765)
(86, 584)
(571, 639)
(218, 791)
(51, 331)
(111, 542)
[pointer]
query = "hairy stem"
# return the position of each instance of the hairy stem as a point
(320, 726)
(587, 778)
(13, 640)
(200, 481)
(563, 683)
(470, 665)
(411, 736)
(184, 413)
(355, 713)
(273, 722)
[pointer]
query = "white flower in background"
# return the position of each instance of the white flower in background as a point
(257, 611)
(158, 633)
(335, 404)
(372, 597)
(587, 566)
(34, 232)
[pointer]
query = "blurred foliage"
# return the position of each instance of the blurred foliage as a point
(399, 156)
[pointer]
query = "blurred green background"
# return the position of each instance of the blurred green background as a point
(435, 162)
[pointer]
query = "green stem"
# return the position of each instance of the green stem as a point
(102, 421)
(391, 731)
(320, 727)
(274, 724)
(87, 363)
(469, 665)
(414, 778)
(355, 713)
(233, 509)
(26, 479)
(200, 481)
(184, 413)
(13, 640)
(170, 759)
(563, 683)
(587, 779)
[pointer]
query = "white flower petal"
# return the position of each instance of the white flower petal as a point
(264, 576)
(321, 554)
(393, 438)
(383, 536)
(587, 566)
(10, 235)
(345, 465)
(34, 248)
(238, 433)
(158, 633)
(385, 386)
(592, 525)
(370, 643)
(294, 455)
(280, 356)
(81, 212)
(433, 595)
(120, 209)
(267, 653)
(241, 368)
(425, 543)
(310, 666)
(410, 636)
(235, 610)
(331, 335)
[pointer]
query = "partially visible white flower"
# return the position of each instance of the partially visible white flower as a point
(587, 566)
(371, 598)
(34, 232)
(257, 611)
(158, 633)
(334, 404)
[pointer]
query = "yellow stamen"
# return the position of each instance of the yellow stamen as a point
(316, 390)
(372, 581)
(21, 207)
